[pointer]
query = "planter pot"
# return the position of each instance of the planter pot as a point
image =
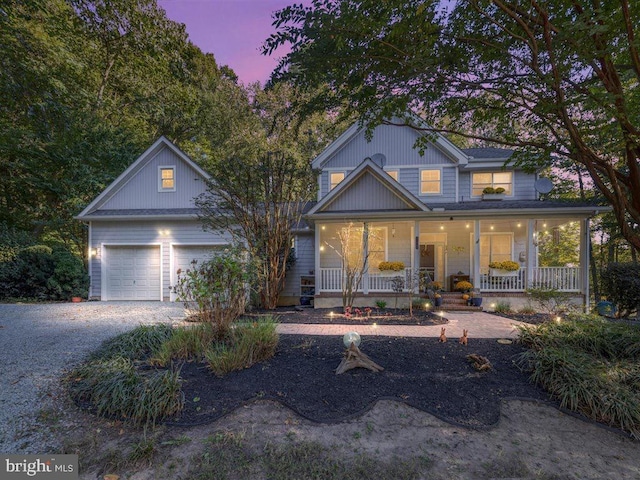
(438, 301)
(476, 301)
(492, 196)
(497, 272)
(76, 299)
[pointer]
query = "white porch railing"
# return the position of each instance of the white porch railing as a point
(331, 280)
(564, 279)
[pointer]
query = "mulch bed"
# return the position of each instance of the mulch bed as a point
(386, 316)
(533, 318)
(428, 375)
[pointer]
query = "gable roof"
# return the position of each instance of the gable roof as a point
(132, 170)
(440, 142)
(369, 168)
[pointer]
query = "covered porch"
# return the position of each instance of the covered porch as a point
(550, 253)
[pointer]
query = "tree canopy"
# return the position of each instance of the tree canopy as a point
(555, 79)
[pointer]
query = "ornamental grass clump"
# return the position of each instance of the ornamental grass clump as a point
(590, 364)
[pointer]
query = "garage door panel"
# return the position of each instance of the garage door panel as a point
(183, 256)
(133, 273)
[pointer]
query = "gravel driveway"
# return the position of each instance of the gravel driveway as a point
(38, 343)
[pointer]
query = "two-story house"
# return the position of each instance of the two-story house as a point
(425, 210)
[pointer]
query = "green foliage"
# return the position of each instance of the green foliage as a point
(577, 88)
(185, 344)
(381, 304)
(139, 343)
(249, 343)
(42, 273)
(527, 310)
(550, 300)
(503, 307)
(591, 365)
(621, 283)
(116, 389)
(12, 241)
(217, 288)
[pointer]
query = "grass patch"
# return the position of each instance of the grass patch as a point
(591, 365)
(231, 460)
(249, 343)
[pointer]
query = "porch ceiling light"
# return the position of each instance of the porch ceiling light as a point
(393, 230)
(441, 227)
(322, 248)
(519, 225)
(491, 227)
(467, 225)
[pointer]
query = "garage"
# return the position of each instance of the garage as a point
(184, 255)
(132, 273)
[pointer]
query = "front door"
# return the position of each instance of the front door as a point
(432, 260)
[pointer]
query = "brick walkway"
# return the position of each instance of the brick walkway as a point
(479, 324)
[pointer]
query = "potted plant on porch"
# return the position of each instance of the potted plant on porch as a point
(507, 268)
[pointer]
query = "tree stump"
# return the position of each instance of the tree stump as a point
(354, 358)
(480, 363)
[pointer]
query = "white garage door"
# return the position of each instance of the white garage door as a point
(133, 273)
(184, 255)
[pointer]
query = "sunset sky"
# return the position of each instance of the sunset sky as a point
(233, 30)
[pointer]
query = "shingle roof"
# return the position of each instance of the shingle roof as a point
(144, 212)
(511, 205)
(488, 152)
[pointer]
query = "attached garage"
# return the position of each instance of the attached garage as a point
(132, 273)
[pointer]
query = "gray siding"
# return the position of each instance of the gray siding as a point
(367, 193)
(141, 191)
(164, 233)
(305, 264)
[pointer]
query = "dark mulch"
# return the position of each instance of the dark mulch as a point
(386, 316)
(434, 377)
(533, 318)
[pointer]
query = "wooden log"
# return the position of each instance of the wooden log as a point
(355, 358)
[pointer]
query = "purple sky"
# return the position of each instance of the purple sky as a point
(233, 30)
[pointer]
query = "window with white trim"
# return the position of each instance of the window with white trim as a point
(393, 174)
(495, 247)
(376, 242)
(482, 180)
(334, 179)
(166, 179)
(430, 182)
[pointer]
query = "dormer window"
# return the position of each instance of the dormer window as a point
(430, 182)
(492, 179)
(167, 179)
(334, 179)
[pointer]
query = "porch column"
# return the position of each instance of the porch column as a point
(365, 250)
(316, 247)
(584, 261)
(530, 251)
(476, 253)
(416, 253)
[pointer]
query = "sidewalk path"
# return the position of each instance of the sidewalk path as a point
(479, 324)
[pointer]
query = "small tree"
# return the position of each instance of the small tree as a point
(258, 201)
(217, 288)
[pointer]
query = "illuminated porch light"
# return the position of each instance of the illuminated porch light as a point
(323, 227)
(519, 225)
(491, 227)
(441, 227)
(467, 226)
(322, 248)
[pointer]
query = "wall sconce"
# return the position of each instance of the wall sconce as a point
(95, 252)
(393, 230)
(441, 227)
(322, 248)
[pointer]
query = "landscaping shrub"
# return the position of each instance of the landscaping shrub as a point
(527, 310)
(250, 343)
(550, 300)
(621, 281)
(138, 344)
(590, 364)
(503, 307)
(115, 388)
(185, 343)
(217, 289)
(41, 273)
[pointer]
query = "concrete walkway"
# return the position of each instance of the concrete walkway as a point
(479, 324)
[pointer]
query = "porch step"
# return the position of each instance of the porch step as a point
(453, 301)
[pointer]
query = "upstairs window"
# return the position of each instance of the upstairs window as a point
(492, 179)
(430, 183)
(167, 179)
(393, 174)
(334, 179)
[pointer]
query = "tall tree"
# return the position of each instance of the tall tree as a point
(259, 200)
(549, 77)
